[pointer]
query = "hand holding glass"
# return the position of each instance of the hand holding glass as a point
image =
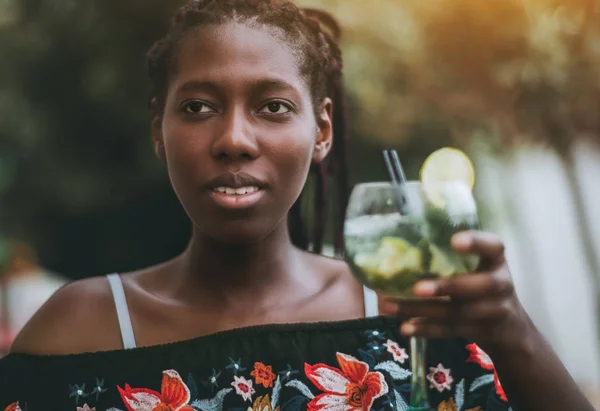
(389, 251)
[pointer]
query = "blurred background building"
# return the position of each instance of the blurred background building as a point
(515, 83)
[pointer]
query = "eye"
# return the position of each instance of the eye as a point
(275, 107)
(197, 107)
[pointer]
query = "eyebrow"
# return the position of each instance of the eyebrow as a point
(261, 85)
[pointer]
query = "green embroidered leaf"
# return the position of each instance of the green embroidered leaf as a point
(481, 381)
(213, 404)
(193, 387)
(392, 368)
(401, 405)
(275, 394)
(367, 357)
(300, 386)
(459, 396)
(294, 403)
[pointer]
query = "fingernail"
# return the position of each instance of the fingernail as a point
(425, 289)
(462, 240)
(408, 329)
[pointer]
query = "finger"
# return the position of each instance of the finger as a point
(387, 306)
(433, 309)
(486, 245)
(469, 286)
(458, 311)
(439, 330)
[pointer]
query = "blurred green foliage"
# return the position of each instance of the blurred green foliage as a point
(78, 178)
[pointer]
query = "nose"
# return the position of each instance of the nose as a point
(236, 140)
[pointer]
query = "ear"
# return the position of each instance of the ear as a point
(324, 137)
(156, 130)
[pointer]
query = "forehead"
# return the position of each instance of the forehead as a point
(235, 53)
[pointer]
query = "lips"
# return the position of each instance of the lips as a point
(236, 181)
(236, 190)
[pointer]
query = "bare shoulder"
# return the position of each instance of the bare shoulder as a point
(343, 292)
(342, 278)
(79, 317)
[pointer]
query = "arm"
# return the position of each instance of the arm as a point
(534, 377)
(484, 308)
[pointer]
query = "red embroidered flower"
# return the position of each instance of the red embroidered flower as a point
(243, 387)
(440, 378)
(174, 395)
(13, 407)
(478, 356)
(398, 353)
(263, 374)
(352, 387)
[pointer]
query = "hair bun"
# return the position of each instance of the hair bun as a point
(325, 20)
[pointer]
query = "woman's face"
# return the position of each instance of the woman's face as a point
(239, 131)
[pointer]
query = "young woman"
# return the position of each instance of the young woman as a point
(247, 102)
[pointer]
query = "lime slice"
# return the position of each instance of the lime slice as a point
(369, 263)
(443, 166)
(393, 245)
(408, 261)
(445, 264)
(447, 164)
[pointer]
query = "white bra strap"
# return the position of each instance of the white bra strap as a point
(371, 303)
(116, 286)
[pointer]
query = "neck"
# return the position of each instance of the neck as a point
(234, 271)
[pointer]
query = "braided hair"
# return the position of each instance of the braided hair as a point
(312, 35)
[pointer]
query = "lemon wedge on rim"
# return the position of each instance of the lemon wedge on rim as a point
(446, 165)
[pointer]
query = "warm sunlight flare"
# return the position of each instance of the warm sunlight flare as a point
(530, 67)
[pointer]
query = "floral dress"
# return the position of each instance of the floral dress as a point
(357, 365)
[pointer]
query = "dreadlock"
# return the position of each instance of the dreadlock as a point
(313, 36)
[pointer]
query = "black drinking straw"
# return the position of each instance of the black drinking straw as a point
(397, 178)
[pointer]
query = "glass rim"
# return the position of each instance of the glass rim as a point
(412, 183)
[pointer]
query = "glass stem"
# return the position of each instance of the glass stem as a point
(418, 395)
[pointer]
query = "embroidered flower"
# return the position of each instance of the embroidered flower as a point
(449, 405)
(13, 407)
(243, 387)
(375, 348)
(375, 335)
(352, 387)
(78, 391)
(174, 395)
(86, 408)
(99, 388)
(236, 366)
(263, 404)
(286, 374)
(213, 380)
(478, 356)
(263, 374)
(398, 353)
(440, 378)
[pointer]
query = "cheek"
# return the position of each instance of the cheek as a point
(185, 150)
(292, 158)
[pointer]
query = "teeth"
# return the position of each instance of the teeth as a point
(236, 191)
